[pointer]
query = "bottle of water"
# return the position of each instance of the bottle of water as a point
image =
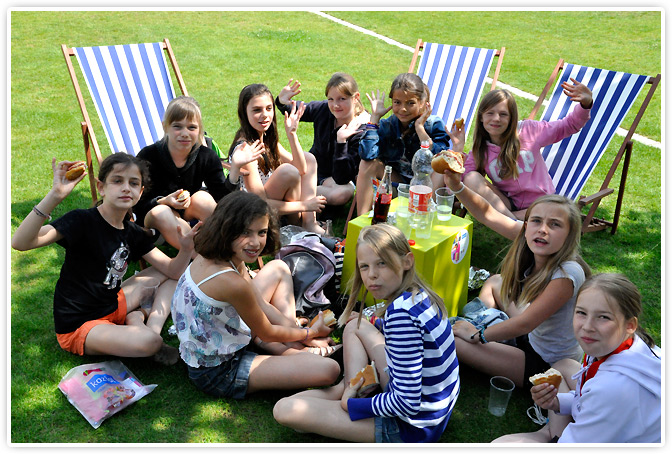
(420, 200)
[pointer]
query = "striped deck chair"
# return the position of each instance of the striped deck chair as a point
(456, 77)
(571, 161)
(130, 86)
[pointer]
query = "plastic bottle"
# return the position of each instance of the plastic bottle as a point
(420, 200)
(381, 205)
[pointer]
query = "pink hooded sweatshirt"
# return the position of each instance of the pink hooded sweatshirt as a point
(533, 179)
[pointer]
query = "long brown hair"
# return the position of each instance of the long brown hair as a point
(510, 148)
(271, 157)
(346, 84)
(622, 295)
(519, 289)
(390, 244)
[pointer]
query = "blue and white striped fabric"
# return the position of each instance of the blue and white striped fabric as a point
(455, 76)
(131, 87)
(571, 161)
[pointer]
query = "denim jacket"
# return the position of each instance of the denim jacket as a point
(386, 143)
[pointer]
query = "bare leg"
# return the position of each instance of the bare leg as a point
(274, 282)
(368, 170)
(322, 416)
(308, 191)
(477, 183)
(165, 220)
(493, 359)
(292, 371)
(360, 346)
(201, 207)
(336, 194)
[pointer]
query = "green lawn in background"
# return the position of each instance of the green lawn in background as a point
(219, 53)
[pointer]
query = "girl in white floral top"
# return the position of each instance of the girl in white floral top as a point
(218, 309)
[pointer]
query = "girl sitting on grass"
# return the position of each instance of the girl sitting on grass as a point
(414, 355)
(181, 161)
(218, 309)
(509, 152)
(94, 308)
(615, 394)
(393, 141)
(338, 125)
(288, 181)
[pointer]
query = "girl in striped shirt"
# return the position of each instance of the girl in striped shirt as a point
(411, 344)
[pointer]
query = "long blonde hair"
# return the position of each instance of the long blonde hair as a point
(521, 289)
(510, 148)
(390, 244)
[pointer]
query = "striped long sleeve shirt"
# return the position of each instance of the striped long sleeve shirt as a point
(423, 370)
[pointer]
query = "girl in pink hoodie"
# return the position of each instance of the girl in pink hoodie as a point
(509, 151)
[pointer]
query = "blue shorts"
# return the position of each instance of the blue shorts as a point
(387, 430)
(229, 379)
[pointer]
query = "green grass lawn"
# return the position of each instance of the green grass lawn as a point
(219, 53)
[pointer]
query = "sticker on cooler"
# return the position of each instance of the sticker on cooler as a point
(460, 246)
(419, 197)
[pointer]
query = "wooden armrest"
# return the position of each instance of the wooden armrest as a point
(583, 201)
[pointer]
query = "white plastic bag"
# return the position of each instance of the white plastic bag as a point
(100, 390)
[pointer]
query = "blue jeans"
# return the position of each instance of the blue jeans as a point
(387, 430)
(229, 379)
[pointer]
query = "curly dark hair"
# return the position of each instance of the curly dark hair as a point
(232, 216)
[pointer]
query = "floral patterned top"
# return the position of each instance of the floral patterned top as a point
(210, 331)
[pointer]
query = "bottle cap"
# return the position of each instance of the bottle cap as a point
(411, 242)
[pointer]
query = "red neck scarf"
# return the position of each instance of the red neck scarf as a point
(592, 369)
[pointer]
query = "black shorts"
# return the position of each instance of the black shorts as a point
(534, 363)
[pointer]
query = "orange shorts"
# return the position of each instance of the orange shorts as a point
(74, 341)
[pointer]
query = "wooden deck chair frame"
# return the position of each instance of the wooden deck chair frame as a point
(91, 147)
(590, 222)
(420, 45)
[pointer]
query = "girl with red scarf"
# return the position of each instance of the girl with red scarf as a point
(616, 396)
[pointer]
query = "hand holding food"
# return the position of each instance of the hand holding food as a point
(551, 376)
(448, 160)
(75, 170)
(371, 381)
(328, 317)
(183, 196)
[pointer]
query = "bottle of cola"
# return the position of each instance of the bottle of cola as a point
(381, 205)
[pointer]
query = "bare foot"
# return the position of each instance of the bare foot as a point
(167, 355)
(314, 227)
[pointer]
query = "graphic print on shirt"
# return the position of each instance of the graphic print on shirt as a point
(528, 161)
(116, 266)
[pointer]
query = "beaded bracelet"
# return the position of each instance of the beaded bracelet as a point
(41, 214)
(481, 336)
(372, 126)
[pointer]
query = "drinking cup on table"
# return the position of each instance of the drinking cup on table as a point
(444, 204)
(402, 200)
(500, 393)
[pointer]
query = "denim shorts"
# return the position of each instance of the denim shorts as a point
(387, 430)
(229, 379)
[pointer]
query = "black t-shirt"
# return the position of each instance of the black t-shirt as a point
(96, 259)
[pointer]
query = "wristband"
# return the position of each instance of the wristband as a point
(461, 189)
(307, 332)
(41, 214)
(370, 125)
(481, 336)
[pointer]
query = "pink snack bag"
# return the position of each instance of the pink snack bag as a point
(100, 390)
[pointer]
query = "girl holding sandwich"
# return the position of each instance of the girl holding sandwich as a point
(410, 342)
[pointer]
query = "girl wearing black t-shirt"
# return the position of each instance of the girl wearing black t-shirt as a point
(94, 308)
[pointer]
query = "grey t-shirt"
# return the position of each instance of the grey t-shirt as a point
(554, 338)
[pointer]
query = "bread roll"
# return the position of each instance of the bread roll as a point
(182, 196)
(329, 318)
(459, 123)
(370, 379)
(448, 160)
(75, 170)
(551, 376)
